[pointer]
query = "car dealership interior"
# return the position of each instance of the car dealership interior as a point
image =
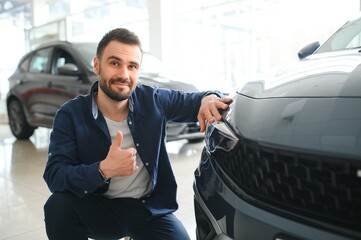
(206, 44)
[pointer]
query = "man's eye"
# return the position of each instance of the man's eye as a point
(133, 67)
(114, 63)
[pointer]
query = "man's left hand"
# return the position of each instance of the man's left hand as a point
(209, 109)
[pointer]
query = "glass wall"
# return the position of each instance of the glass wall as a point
(12, 47)
(87, 20)
(223, 44)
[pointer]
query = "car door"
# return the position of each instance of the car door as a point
(69, 79)
(34, 86)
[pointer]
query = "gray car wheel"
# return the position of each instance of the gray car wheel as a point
(17, 121)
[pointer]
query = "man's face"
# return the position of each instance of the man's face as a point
(118, 69)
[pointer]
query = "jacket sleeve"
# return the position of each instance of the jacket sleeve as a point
(182, 106)
(64, 171)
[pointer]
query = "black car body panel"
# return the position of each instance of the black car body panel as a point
(56, 72)
(285, 163)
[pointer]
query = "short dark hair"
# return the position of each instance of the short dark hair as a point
(121, 35)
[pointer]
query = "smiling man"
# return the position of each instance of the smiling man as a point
(107, 167)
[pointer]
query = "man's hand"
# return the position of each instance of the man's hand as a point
(119, 162)
(209, 109)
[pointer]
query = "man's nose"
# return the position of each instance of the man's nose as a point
(123, 72)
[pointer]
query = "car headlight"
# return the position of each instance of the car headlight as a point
(220, 135)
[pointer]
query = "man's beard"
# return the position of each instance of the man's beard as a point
(105, 86)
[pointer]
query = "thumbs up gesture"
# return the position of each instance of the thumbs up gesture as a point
(119, 162)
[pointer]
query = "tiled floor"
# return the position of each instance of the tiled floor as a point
(23, 191)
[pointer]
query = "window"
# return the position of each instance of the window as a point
(39, 61)
(61, 57)
(25, 65)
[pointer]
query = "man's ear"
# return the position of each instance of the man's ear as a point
(96, 65)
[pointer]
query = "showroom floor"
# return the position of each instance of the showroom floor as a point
(23, 191)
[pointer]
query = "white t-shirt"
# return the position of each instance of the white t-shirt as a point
(133, 186)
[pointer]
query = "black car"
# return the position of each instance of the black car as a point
(55, 72)
(285, 163)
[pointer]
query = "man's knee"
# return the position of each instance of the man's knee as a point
(61, 220)
(59, 204)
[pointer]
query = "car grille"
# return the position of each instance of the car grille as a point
(303, 186)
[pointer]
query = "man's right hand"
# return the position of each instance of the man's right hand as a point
(119, 162)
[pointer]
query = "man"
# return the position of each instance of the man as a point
(107, 166)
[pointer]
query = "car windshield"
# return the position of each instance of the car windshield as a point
(347, 37)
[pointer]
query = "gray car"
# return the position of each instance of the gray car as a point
(55, 72)
(285, 163)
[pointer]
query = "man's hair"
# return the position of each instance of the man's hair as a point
(121, 35)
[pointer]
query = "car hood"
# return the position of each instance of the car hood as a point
(166, 81)
(335, 74)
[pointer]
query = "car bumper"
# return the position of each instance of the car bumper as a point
(221, 214)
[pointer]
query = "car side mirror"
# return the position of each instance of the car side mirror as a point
(308, 50)
(68, 69)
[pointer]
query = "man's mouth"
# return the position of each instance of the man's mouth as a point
(120, 83)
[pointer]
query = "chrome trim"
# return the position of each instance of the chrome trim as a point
(220, 234)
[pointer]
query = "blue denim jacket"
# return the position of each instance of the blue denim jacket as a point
(80, 140)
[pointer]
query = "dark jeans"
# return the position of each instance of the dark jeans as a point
(69, 217)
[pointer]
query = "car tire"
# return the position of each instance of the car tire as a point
(17, 121)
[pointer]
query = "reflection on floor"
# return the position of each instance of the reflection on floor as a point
(23, 191)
